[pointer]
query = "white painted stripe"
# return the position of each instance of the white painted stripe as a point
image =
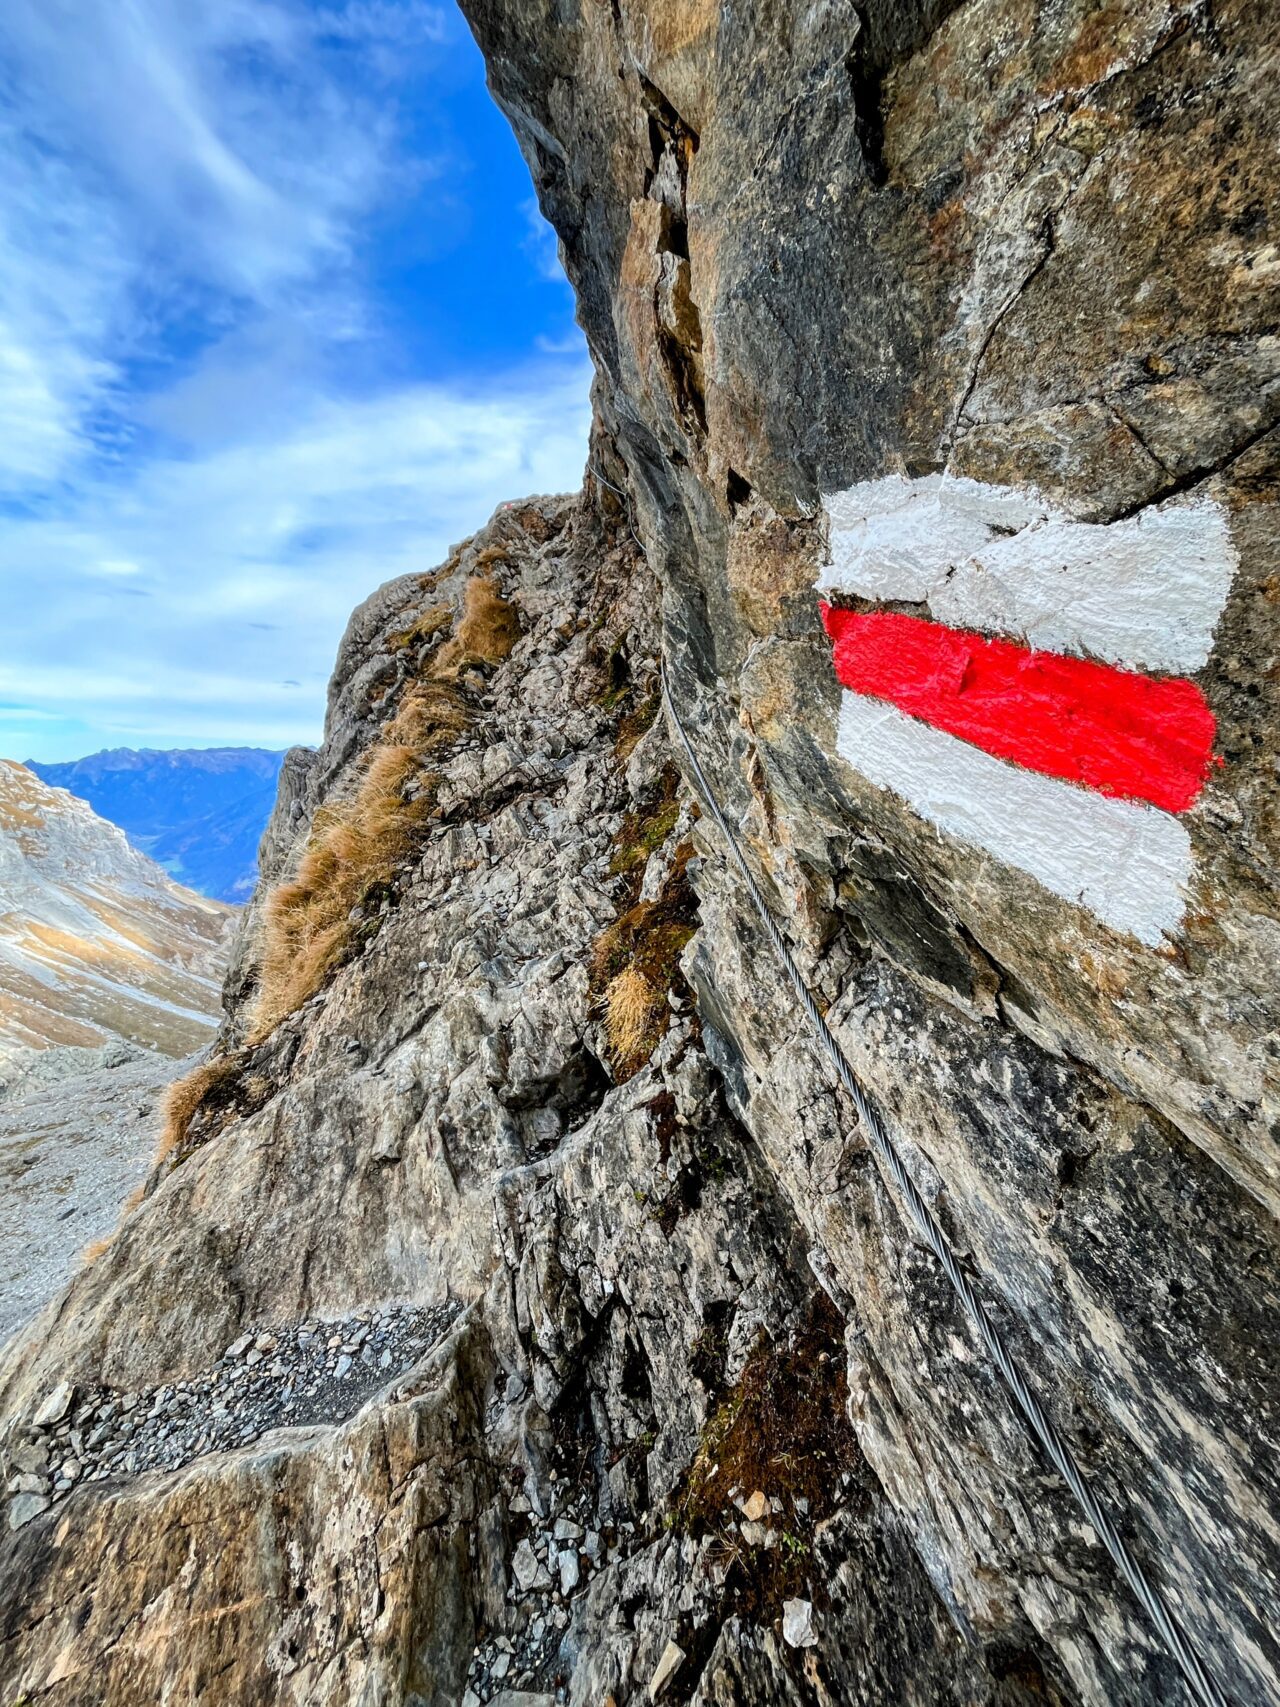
(1145, 593)
(1128, 863)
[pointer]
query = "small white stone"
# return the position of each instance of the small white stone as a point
(667, 1667)
(568, 1571)
(797, 1624)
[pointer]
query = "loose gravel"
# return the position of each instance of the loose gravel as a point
(311, 1372)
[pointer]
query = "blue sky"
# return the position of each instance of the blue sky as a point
(278, 320)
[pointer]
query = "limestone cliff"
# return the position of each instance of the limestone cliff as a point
(518, 1311)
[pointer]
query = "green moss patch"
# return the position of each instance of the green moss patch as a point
(781, 1431)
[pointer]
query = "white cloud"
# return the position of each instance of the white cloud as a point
(62, 277)
(189, 504)
(250, 558)
(237, 152)
(165, 160)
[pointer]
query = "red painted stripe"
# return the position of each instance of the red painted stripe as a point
(1124, 734)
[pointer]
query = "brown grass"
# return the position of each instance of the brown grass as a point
(432, 621)
(95, 1249)
(632, 1006)
(355, 848)
(489, 555)
(487, 630)
(313, 922)
(635, 963)
(185, 1096)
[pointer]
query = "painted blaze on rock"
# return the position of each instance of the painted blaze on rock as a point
(1041, 710)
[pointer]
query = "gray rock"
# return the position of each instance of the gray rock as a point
(23, 1507)
(525, 1566)
(55, 1406)
(29, 1455)
(798, 1629)
(813, 247)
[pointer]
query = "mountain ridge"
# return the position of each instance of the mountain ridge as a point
(198, 812)
(96, 940)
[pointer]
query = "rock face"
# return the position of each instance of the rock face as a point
(691, 1414)
(96, 942)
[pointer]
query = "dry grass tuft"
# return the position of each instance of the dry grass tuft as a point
(432, 621)
(632, 1006)
(489, 555)
(487, 630)
(185, 1097)
(95, 1249)
(355, 848)
(635, 962)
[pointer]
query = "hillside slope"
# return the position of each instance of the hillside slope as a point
(95, 940)
(78, 1132)
(198, 813)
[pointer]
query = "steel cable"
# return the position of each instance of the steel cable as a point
(1202, 1687)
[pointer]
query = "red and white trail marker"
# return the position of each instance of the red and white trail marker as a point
(1043, 710)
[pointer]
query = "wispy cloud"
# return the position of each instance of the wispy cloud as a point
(252, 556)
(169, 163)
(189, 472)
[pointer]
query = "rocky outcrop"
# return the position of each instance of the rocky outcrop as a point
(690, 1412)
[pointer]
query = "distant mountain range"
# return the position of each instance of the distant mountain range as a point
(200, 813)
(96, 941)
